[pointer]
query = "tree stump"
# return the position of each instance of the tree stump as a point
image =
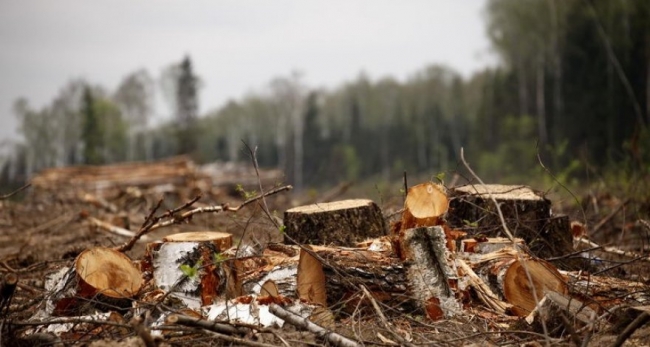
(190, 265)
(341, 223)
(519, 279)
(100, 278)
(527, 215)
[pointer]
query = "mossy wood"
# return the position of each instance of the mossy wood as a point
(341, 223)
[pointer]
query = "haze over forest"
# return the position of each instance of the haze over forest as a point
(572, 85)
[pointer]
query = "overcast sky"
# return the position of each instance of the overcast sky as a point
(237, 46)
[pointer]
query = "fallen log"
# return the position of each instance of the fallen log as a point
(189, 265)
(603, 293)
(347, 270)
(301, 322)
(341, 223)
(519, 279)
(552, 306)
(488, 245)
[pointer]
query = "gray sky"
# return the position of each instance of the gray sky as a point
(236, 46)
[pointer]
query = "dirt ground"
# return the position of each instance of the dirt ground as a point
(44, 230)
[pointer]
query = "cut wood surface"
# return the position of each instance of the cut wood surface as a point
(311, 278)
(342, 223)
(425, 204)
(526, 282)
(107, 272)
(100, 278)
(519, 279)
(189, 265)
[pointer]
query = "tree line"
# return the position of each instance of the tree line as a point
(572, 86)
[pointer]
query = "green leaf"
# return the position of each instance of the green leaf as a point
(188, 270)
(440, 177)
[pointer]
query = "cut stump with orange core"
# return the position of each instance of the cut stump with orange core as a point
(100, 278)
(425, 205)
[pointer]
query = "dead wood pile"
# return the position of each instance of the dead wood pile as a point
(451, 257)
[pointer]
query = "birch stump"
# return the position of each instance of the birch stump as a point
(341, 223)
(190, 265)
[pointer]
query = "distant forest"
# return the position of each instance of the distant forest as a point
(573, 86)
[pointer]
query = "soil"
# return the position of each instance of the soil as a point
(42, 231)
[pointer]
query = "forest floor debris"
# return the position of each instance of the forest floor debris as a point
(54, 225)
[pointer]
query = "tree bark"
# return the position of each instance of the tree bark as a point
(341, 223)
(527, 215)
(188, 265)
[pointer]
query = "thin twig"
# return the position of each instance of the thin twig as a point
(383, 320)
(575, 198)
(204, 324)
(153, 223)
(609, 217)
(7, 196)
(301, 322)
(641, 320)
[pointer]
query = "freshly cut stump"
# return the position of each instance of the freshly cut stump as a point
(101, 278)
(425, 205)
(341, 223)
(107, 272)
(189, 265)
